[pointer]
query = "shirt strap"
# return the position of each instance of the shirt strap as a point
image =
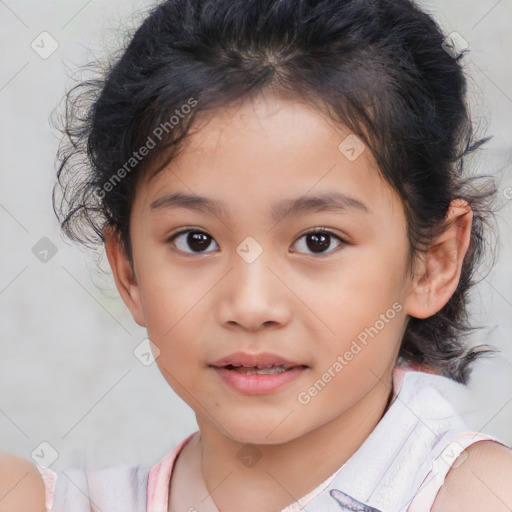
(49, 478)
(159, 478)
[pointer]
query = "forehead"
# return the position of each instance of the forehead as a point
(265, 150)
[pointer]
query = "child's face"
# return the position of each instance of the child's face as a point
(340, 311)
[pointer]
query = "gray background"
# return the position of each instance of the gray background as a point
(67, 372)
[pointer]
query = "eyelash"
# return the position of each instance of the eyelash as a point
(318, 231)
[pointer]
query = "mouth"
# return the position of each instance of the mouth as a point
(269, 369)
(257, 374)
(260, 361)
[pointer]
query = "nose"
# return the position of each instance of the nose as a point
(253, 296)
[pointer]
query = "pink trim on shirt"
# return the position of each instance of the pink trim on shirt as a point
(49, 478)
(159, 478)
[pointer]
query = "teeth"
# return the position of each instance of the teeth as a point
(262, 370)
(257, 366)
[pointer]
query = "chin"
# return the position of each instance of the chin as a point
(264, 432)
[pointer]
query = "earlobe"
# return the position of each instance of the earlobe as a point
(438, 272)
(124, 277)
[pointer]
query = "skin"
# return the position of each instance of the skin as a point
(479, 481)
(21, 485)
(307, 307)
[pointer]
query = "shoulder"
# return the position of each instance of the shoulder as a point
(22, 487)
(479, 480)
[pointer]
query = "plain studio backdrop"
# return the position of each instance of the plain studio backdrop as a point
(69, 377)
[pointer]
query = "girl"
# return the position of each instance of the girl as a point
(279, 188)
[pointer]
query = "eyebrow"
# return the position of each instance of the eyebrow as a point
(330, 201)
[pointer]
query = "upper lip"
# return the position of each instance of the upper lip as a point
(250, 360)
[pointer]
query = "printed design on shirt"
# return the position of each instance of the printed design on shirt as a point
(348, 504)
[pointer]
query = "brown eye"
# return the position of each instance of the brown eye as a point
(197, 241)
(319, 241)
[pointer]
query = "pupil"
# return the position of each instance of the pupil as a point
(196, 241)
(319, 237)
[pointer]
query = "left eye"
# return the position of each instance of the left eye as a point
(197, 240)
(320, 240)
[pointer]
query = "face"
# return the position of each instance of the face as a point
(253, 275)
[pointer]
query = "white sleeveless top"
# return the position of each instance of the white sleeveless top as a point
(399, 467)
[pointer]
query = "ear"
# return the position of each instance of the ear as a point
(123, 276)
(438, 273)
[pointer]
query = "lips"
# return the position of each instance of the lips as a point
(257, 374)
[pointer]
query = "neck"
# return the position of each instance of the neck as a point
(272, 483)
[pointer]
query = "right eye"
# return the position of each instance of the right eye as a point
(194, 239)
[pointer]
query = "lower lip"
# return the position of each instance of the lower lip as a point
(258, 384)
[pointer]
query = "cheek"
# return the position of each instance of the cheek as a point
(362, 308)
(168, 292)
(175, 334)
(173, 300)
(168, 309)
(356, 292)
